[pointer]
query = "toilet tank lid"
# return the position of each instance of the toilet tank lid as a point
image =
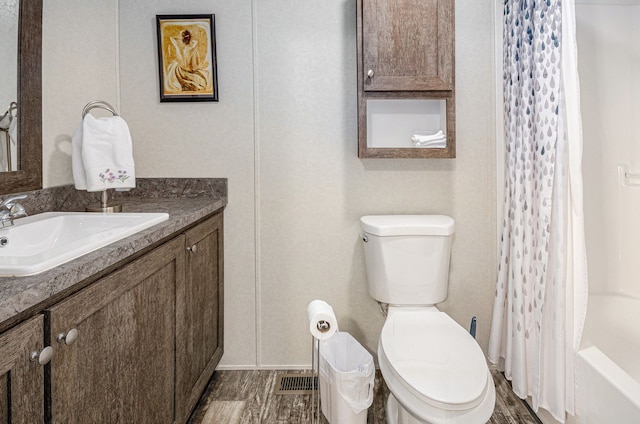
(407, 225)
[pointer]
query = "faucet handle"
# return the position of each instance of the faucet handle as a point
(10, 201)
(17, 211)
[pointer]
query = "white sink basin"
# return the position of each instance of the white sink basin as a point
(40, 242)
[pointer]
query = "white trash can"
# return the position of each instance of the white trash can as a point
(347, 375)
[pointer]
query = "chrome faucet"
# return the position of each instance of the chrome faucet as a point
(10, 210)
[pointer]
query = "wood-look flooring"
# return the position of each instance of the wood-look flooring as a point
(247, 397)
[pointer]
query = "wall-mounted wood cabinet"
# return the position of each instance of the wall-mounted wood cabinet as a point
(406, 78)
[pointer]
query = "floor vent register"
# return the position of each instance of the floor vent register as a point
(296, 384)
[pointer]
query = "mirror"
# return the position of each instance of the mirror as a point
(26, 115)
(8, 85)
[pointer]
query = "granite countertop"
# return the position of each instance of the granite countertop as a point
(21, 297)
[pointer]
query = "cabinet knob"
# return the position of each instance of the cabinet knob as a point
(43, 357)
(192, 249)
(370, 73)
(69, 337)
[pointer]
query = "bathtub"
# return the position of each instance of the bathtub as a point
(608, 365)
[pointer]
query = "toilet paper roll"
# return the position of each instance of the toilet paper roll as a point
(322, 321)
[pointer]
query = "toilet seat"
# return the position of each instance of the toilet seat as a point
(434, 367)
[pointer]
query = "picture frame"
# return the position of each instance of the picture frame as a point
(187, 61)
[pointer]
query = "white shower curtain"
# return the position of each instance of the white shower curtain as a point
(541, 290)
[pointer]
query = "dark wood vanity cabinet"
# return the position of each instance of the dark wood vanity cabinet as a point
(137, 346)
(200, 321)
(22, 379)
(115, 344)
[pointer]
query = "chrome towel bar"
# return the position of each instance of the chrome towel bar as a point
(98, 104)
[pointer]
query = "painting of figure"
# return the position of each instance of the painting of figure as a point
(187, 58)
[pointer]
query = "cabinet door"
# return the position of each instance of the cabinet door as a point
(407, 45)
(200, 318)
(120, 368)
(22, 380)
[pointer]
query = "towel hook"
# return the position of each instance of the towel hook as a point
(100, 104)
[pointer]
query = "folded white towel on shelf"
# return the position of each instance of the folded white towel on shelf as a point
(440, 143)
(436, 140)
(102, 154)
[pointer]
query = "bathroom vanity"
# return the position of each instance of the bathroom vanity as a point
(135, 328)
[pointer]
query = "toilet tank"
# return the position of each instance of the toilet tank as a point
(407, 257)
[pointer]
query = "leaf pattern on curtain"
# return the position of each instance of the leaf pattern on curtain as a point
(532, 73)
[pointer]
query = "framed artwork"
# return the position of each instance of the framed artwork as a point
(187, 58)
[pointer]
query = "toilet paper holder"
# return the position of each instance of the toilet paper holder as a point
(323, 326)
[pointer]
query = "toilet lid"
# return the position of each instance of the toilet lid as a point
(435, 358)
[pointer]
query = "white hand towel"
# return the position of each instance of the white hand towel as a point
(76, 159)
(104, 148)
(13, 136)
(9, 128)
(3, 160)
(5, 121)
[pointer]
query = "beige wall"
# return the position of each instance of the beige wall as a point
(79, 64)
(284, 133)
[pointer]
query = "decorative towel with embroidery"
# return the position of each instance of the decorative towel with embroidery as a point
(102, 154)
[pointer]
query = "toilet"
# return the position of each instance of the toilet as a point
(434, 368)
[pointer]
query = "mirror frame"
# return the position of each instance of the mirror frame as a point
(29, 176)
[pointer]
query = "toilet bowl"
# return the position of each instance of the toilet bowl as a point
(435, 370)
